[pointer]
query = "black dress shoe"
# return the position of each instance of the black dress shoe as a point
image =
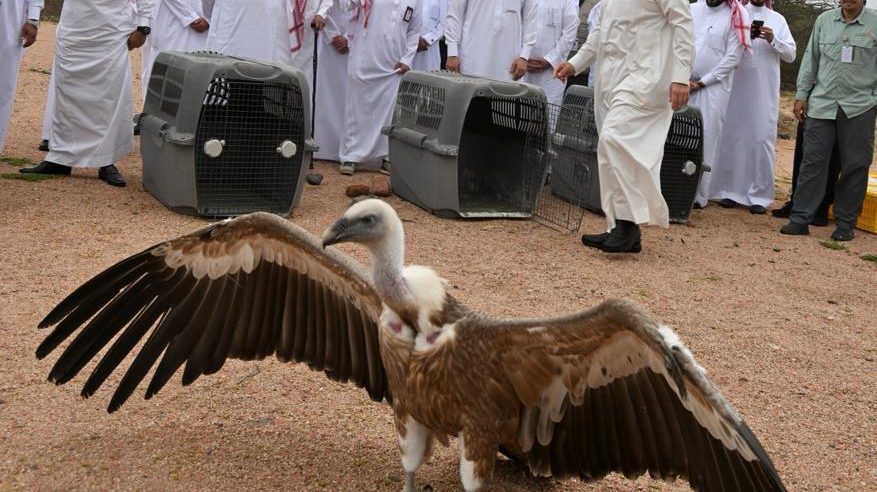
(44, 145)
(757, 210)
(595, 240)
(843, 234)
(783, 212)
(46, 167)
(727, 203)
(624, 238)
(795, 229)
(110, 175)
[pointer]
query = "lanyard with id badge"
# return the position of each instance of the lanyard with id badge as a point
(846, 52)
(407, 15)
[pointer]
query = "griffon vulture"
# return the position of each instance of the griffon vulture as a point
(603, 390)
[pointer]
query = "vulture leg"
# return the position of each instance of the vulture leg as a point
(477, 457)
(415, 443)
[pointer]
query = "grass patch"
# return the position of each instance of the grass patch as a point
(16, 161)
(28, 177)
(869, 257)
(832, 244)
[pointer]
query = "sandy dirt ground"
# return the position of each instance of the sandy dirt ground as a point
(786, 327)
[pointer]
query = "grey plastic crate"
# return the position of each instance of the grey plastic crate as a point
(681, 167)
(575, 142)
(468, 147)
(223, 136)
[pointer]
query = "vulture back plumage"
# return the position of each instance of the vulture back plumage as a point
(582, 395)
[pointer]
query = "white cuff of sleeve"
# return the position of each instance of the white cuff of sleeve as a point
(453, 49)
(34, 12)
(142, 20)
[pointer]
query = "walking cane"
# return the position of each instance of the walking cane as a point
(313, 177)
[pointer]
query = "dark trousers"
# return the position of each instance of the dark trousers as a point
(854, 138)
(833, 170)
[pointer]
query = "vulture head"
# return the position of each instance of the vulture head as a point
(371, 223)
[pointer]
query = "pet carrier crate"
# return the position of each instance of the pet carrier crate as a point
(574, 175)
(468, 147)
(681, 168)
(683, 165)
(223, 136)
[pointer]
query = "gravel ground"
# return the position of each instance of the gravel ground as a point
(786, 327)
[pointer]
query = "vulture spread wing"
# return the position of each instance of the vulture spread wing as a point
(245, 288)
(611, 390)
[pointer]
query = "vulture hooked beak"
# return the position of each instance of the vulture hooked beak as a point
(338, 232)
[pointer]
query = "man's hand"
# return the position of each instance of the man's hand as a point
(767, 34)
(422, 45)
(136, 40)
(536, 65)
(453, 64)
(339, 42)
(564, 71)
(518, 68)
(678, 95)
(200, 24)
(28, 35)
(800, 109)
(693, 85)
(318, 23)
(401, 68)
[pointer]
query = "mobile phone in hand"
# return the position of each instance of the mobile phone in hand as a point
(755, 29)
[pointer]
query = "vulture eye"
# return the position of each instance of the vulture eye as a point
(368, 220)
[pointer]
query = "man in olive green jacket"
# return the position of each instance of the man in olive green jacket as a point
(837, 94)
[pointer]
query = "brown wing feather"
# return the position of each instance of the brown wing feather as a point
(246, 289)
(610, 390)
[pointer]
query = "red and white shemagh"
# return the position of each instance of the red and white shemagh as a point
(738, 22)
(363, 10)
(298, 23)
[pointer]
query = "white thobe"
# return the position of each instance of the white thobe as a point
(718, 52)
(391, 37)
(558, 26)
(331, 86)
(489, 35)
(172, 31)
(266, 30)
(91, 123)
(13, 15)
(593, 20)
(435, 13)
(744, 171)
(642, 46)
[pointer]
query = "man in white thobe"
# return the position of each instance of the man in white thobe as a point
(435, 14)
(721, 33)
(180, 25)
(645, 50)
(91, 123)
(333, 50)
(745, 166)
(384, 44)
(491, 38)
(558, 25)
(19, 21)
(593, 21)
(278, 31)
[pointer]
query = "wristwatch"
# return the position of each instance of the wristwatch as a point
(33, 22)
(144, 30)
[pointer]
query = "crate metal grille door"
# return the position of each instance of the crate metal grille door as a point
(682, 166)
(502, 148)
(571, 158)
(251, 118)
